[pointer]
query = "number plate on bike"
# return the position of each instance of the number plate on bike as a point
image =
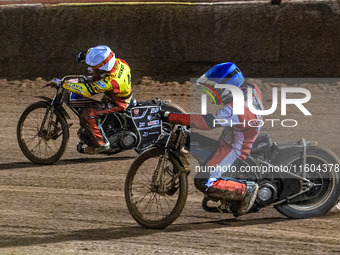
(148, 124)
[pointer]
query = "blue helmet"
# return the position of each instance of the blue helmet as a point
(224, 73)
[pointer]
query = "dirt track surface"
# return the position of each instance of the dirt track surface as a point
(77, 205)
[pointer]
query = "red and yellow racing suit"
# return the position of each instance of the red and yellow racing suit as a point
(116, 85)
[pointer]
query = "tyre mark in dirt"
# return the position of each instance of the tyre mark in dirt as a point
(18, 165)
(248, 232)
(69, 191)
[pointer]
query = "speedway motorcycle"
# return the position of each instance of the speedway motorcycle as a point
(306, 183)
(43, 130)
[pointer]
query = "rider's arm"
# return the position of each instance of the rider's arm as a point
(118, 83)
(193, 120)
(88, 89)
(224, 118)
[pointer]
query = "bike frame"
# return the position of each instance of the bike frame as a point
(59, 98)
(176, 141)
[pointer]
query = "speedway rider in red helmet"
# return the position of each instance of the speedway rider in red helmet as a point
(235, 142)
(110, 76)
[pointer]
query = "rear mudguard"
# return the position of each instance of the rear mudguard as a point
(285, 150)
(59, 109)
(289, 149)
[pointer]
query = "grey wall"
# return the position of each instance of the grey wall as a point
(174, 41)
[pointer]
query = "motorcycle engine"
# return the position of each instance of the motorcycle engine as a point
(123, 139)
(119, 139)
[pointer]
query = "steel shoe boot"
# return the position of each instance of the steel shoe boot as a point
(97, 150)
(242, 207)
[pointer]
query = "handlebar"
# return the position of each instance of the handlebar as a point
(69, 77)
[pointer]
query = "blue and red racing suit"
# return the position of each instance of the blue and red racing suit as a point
(235, 142)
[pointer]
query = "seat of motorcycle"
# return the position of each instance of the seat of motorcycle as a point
(262, 143)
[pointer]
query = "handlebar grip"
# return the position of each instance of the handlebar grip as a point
(81, 56)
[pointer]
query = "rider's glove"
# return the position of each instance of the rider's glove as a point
(81, 56)
(164, 115)
(54, 83)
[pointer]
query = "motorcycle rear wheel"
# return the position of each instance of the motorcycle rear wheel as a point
(42, 135)
(173, 108)
(320, 199)
(155, 202)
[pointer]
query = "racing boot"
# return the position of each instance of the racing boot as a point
(97, 150)
(100, 144)
(240, 208)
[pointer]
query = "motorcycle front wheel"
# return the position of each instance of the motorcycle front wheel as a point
(156, 189)
(42, 134)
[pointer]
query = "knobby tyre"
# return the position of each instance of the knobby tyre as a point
(153, 203)
(325, 195)
(42, 134)
(173, 108)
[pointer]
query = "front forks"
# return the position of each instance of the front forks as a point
(51, 131)
(158, 178)
(46, 133)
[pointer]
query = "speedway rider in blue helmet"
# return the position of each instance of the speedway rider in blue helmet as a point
(235, 141)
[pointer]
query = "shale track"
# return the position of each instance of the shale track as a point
(77, 205)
